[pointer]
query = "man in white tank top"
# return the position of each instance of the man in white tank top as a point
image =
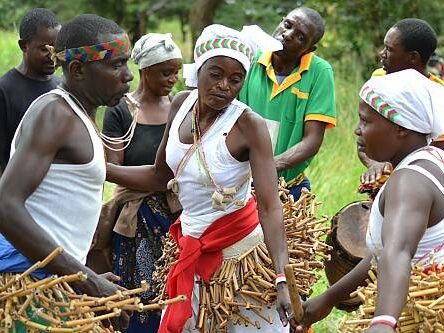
(51, 191)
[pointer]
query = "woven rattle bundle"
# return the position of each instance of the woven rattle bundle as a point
(424, 309)
(248, 281)
(51, 305)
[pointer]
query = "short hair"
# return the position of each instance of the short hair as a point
(34, 19)
(316, 19)
(417, 35)
(84, 30)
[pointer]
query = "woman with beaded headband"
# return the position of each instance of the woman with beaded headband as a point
(135, 128)
(400, 114)
(211, 147)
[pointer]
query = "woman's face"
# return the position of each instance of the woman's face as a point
(376, 136)
(219, 81)
(161, 78)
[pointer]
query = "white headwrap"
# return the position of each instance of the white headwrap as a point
(153, 49)
(408, 99)
(219, 40)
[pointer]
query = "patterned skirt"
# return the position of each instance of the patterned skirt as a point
(134, 258)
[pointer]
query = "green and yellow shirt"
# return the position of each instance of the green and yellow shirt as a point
(308, 93)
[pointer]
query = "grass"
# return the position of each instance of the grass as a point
(335, 171)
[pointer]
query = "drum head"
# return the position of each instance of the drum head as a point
(352, 223)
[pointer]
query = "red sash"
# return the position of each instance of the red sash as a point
(202, 257)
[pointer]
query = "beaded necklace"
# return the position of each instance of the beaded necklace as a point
(221, 196)
(125, 139)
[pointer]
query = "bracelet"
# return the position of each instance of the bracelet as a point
(280, 278)
(385, 320)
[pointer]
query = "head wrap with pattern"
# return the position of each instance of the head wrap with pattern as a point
(218, 40)
(409, 99)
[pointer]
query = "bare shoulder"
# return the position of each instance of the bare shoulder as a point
(251, 124)
(177, 102)
(409, 186)
(178, 99)
(49, 116)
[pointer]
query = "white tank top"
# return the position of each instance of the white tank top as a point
(67, 202)
(195, 187)
(433, 238)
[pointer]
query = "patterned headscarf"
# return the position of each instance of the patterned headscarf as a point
(218, 40)
(409, 99)
(153, 49)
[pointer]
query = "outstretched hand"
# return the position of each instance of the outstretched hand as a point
(315, 310)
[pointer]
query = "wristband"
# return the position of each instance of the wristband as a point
(280, 278)
(384, 320)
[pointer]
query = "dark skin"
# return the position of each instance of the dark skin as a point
(36, 63)
(220, 80)
(394, 57)
(297, 34)
(52, 134)
(156, 83)
(409, 204)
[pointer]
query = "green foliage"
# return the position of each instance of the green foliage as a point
(265, 13)
(357, 28)
(10, 53)
(11, 12)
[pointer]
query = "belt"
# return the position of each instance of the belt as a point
(296, 180)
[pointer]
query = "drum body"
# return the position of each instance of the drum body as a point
(347, 237)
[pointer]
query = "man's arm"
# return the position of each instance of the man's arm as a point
(320, 112)
(38, 145)
(307, 148)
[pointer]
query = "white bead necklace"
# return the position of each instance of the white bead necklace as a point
(133, 107)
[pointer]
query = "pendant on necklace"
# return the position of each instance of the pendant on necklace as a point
(173, 186)
(217, 201)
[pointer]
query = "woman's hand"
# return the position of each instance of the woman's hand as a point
(315, 310)
(283, 304)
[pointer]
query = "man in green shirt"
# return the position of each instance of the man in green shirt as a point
(293, 89)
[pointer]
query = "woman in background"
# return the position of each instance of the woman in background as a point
(135, 127)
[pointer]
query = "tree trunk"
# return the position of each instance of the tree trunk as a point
(202, 15)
